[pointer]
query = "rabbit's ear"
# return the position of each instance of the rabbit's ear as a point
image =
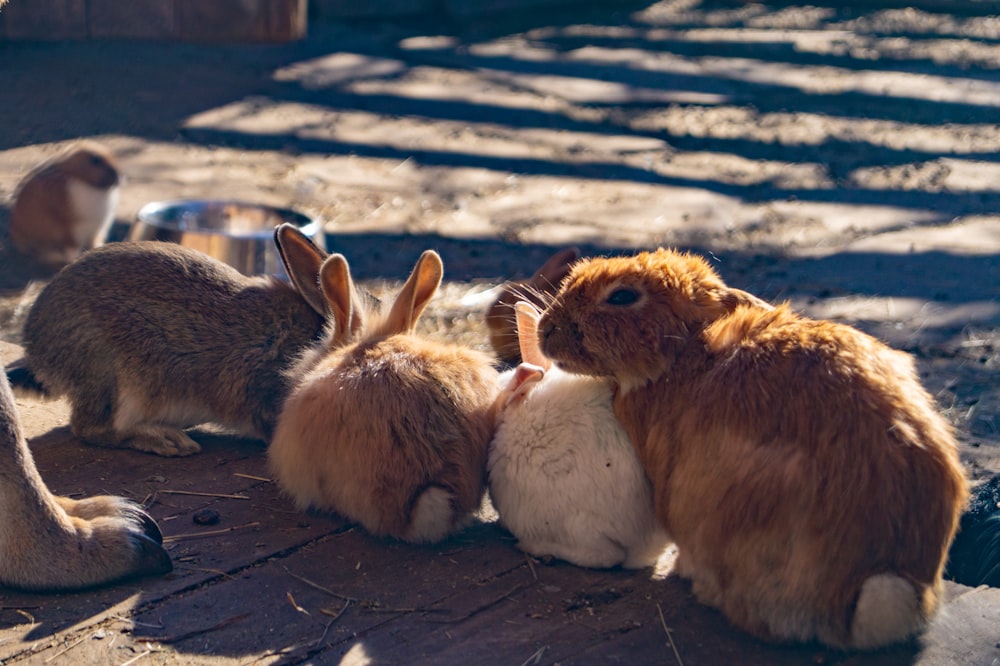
(302, 260)
(420, 287)
(338, 290)
(551, 274)
(527, 335)
(733, 298)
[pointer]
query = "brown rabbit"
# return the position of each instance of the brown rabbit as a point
(65, 205)
(537, 290)
(808, 481)
(57, 543)
(383, 426)
(148, 338)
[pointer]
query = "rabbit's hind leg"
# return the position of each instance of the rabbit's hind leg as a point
(95, 420)
(55, 543)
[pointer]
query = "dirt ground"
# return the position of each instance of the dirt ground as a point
(842, 156)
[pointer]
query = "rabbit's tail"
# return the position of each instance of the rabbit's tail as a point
(433, 516)
(974, 558)
(23, 380)
(889, 610)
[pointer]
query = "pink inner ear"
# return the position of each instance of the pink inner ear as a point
(527, 335)
(525, 377)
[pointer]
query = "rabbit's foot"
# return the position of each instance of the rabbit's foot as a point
(109, 506)
(164, 441)
(57, 550)
(158, 439)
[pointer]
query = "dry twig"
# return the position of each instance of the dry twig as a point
(252, 477)
(198, 535)
(177, 638)
(670, 636)
(196, 494)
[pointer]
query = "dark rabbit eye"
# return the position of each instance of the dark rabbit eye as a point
(623, 296)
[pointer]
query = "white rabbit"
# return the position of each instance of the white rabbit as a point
(563, 474)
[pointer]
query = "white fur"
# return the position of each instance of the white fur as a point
(433, 516)
(888, 611)
(565, 479)
(95, 211)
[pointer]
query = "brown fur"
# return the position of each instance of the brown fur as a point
(45, 222)
(792, 459)
(384, 427)
(57, 543)
(537, 290)
(147, 338)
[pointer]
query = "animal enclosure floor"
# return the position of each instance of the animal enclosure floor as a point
(265, 584)
(842, 156)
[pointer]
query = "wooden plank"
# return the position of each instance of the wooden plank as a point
(45, 19)
(262, 525)
(135, 19)
(267, 583)
(246, 20)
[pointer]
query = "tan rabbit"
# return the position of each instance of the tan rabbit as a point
(66, 205)
(537, 290)
(57, 543)
(811, 486)
(385, 427)
(149, 338)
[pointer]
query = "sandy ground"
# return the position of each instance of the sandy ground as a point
(843, 158)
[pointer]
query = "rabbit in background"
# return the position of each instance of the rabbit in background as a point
(148, 338)
(383, 426)
(65, 205)
(537, 290)
(810, 484)
(974, 558)
(563, 475)
(50, 543)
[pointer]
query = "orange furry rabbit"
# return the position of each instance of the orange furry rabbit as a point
(810, 485)
(383, 426)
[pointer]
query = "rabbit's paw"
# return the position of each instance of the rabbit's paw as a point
(73, 545)
(162, 441)
(109, 506)
(109, 548)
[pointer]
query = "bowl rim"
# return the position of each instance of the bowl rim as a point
(146, 215)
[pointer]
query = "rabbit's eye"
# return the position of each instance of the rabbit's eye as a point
(623, 296)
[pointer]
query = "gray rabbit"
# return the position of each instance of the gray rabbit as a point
(148, 338)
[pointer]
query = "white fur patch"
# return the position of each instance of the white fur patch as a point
(432, 516)
(888, 611)
(95, 211)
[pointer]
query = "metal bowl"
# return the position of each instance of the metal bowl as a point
(237, 232)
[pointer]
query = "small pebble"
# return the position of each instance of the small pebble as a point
(206, 517)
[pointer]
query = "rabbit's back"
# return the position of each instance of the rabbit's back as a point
(374, 425)
(565, 478)
(157, 323)
(815, 448)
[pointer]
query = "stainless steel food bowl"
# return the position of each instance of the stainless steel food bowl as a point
(236, 232)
